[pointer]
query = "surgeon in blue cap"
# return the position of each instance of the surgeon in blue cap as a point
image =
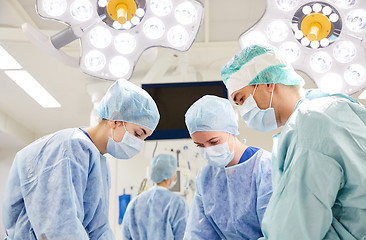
(58, 186)
(157, 213)
(319, 157)
(233, 191)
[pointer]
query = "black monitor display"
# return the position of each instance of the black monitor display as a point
(174, 99)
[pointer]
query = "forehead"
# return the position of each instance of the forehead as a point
(204, 136)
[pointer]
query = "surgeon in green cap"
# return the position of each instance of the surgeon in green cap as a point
(318, 158)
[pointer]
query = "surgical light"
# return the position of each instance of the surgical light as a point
(54, 8)
(290, 50)
(114, 33)
(345, 3)
(344, 51)
(94, 61)
(125, 43)
(277, 31)
(154, 28)
(325, 39)
(355, 75)
(119, 66)
(100, 37)
(161, 7)
(287, 5)
(178, 36)
(81, 10)
(356, 20)
(321, 62)
(186, 13)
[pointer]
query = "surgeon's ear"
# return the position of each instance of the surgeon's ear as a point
(270, 87)
(112, 124)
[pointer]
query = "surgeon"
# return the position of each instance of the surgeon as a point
(157, 213)
(233, 190)
(319, 157)
(58, 186)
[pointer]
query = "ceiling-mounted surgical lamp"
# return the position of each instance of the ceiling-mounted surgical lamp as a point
(114, 33)
(325, 39)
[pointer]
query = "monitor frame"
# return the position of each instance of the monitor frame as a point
(164, 134)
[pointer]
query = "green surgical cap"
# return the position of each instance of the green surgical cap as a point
(258, 64)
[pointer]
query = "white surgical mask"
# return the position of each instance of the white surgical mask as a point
(172, 184)
(256, 118)
(127, 148)
(218, 155)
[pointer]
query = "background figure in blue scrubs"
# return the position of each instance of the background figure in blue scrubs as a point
(233, 191)
(157, 213)
(58, 186)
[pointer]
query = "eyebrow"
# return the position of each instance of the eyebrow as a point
(211, 139)
(143, 130)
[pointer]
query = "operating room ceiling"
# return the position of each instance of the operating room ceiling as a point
(22, 119)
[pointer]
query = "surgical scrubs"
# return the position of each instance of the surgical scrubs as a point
(229, 203)
(319, 172)
(58, 188)
(155, 214)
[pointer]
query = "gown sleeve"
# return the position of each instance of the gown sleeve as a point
(53, 197)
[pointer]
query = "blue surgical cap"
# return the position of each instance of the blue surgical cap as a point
(163, 166)
(127, 102)
(211, 113)
(258, 64)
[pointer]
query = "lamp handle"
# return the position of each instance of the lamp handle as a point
(45, 43)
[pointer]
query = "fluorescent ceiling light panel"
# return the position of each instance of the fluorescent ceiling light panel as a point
(24, 80)
(363, 95)
(7, 61)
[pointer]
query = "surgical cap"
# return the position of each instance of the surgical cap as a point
(127, 102)
(211, 113)
(163, 166)
(258, 64)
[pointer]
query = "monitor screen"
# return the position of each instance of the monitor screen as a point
(174, 99)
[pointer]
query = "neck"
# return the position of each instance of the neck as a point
(288, 100)
(165, 183)
(99, 136)
(239, 149)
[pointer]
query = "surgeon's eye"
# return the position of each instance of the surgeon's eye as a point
(137, 135)
(214, 142)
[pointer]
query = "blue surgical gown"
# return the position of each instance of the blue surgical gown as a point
(319, 172)
(229, 203)
(155, 214)
(58, 188)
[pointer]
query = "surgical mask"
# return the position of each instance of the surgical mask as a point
(172, 184)
(218, 155)
(127, 148)
(256, 118)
